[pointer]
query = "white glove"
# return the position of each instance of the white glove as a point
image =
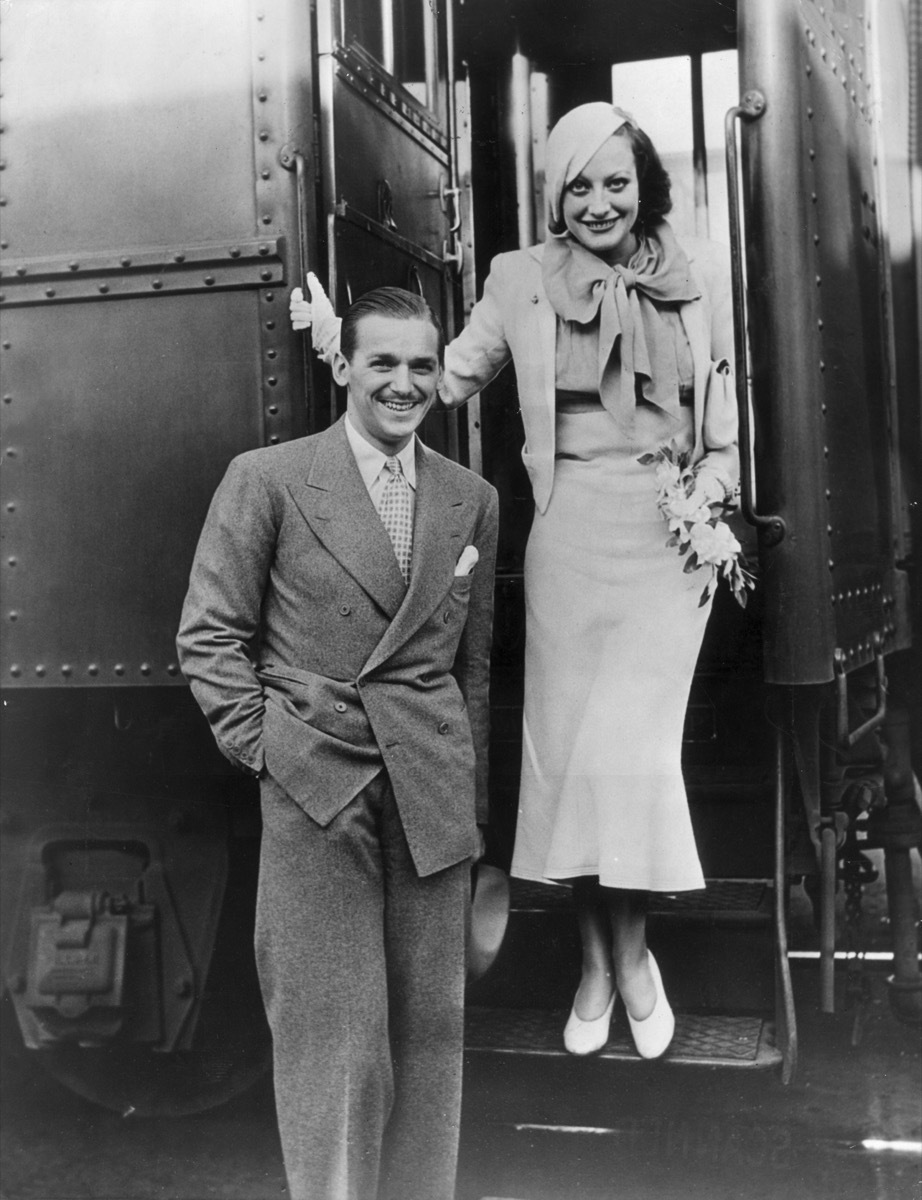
(316, 315)
(709, 488)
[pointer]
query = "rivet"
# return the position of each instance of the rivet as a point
(49, 292)
(14, 616)
(209, 280)
(818, 280)
(92, 669)
(263, 135)
(264, 174)
(156, 284)
(816, 239)
(126, 262)
(274, 439)
(813, 197)
(822, 365)
(812, 152)
(829, 529)
(819, 324)
(7, 399)
(11, 453)
(103, 287)
(119, 669)
(269, 297)
(262, 96)
(15, 670)
(2, 201)
(234, 251)
(74, 266)
(172, 669)
(179, 258)
(12, 562)
(6, 345)
(11, 507)
(263, 249)
(831, 564)
(809, 112)
(828, 494)
(4, 245)
(272, 381)
(66, 669)
(20, 271)
(823, 408)
(270, 324)
(2, 164)
(823, 53)
(272, 354)
(261, 57)
(145, 668)
(825, 452)
(40, 671)
(273, 410)
(267, 220)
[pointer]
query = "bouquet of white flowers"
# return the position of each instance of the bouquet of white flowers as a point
(693, 503)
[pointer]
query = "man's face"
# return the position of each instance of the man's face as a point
(391, 379)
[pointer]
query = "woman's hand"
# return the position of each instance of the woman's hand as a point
(318, 315)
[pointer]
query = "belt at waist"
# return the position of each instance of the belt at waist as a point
(577, 402)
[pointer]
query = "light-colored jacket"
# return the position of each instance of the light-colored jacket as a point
(515, 322)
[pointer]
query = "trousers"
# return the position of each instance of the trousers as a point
(361, 965)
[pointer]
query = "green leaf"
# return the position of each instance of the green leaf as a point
(691, 565)
(647, 460)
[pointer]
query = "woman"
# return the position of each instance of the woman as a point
(620, 339)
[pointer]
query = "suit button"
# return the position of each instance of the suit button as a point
(443, 728)
(344, 610)
(339, 706)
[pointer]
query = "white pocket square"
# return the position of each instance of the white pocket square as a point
(467, 561)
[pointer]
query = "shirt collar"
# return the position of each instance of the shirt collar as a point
(370, 460)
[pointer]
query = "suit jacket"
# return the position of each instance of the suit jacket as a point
(313, 660)
(514, 320)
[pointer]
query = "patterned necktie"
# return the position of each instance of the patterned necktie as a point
(397, 515)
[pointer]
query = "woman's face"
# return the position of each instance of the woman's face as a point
(600, 205)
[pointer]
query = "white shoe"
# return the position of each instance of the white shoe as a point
(653, 1034)
(588, 1037)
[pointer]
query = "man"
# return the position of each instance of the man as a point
(336, 634)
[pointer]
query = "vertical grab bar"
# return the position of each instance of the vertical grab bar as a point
(772, 527)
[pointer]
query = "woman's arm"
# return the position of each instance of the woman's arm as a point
(481, 350)
(720, 421)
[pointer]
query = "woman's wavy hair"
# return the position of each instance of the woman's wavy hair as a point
(653, 180)
(386, 302)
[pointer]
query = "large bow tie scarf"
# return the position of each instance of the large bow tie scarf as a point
(397, 515)
(581, 287)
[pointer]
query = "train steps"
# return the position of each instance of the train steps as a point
(715, 952)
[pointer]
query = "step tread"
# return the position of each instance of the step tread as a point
(731, 899)
(700, 1040)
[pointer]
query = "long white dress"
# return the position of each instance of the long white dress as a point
(613, 633)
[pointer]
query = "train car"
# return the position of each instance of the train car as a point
(170, 172)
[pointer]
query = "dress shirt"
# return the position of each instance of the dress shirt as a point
(370, 462)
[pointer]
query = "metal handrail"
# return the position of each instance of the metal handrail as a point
(772, 527)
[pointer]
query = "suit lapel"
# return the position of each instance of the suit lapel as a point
(437, 545)
(335, 503)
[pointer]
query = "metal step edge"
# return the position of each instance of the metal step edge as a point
(752, 902)
(700, 1040)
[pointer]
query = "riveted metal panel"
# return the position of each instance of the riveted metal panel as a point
(116, 114)
(818, 333)
(153, 229)
(111, 462)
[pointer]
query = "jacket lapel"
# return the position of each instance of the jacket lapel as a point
(335, 503)
(437, 546)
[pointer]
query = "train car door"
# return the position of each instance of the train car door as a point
(833, 329)
(390, 197)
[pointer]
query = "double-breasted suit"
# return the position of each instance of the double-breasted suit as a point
(362, 704)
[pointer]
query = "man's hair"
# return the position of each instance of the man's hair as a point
(386, 302)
